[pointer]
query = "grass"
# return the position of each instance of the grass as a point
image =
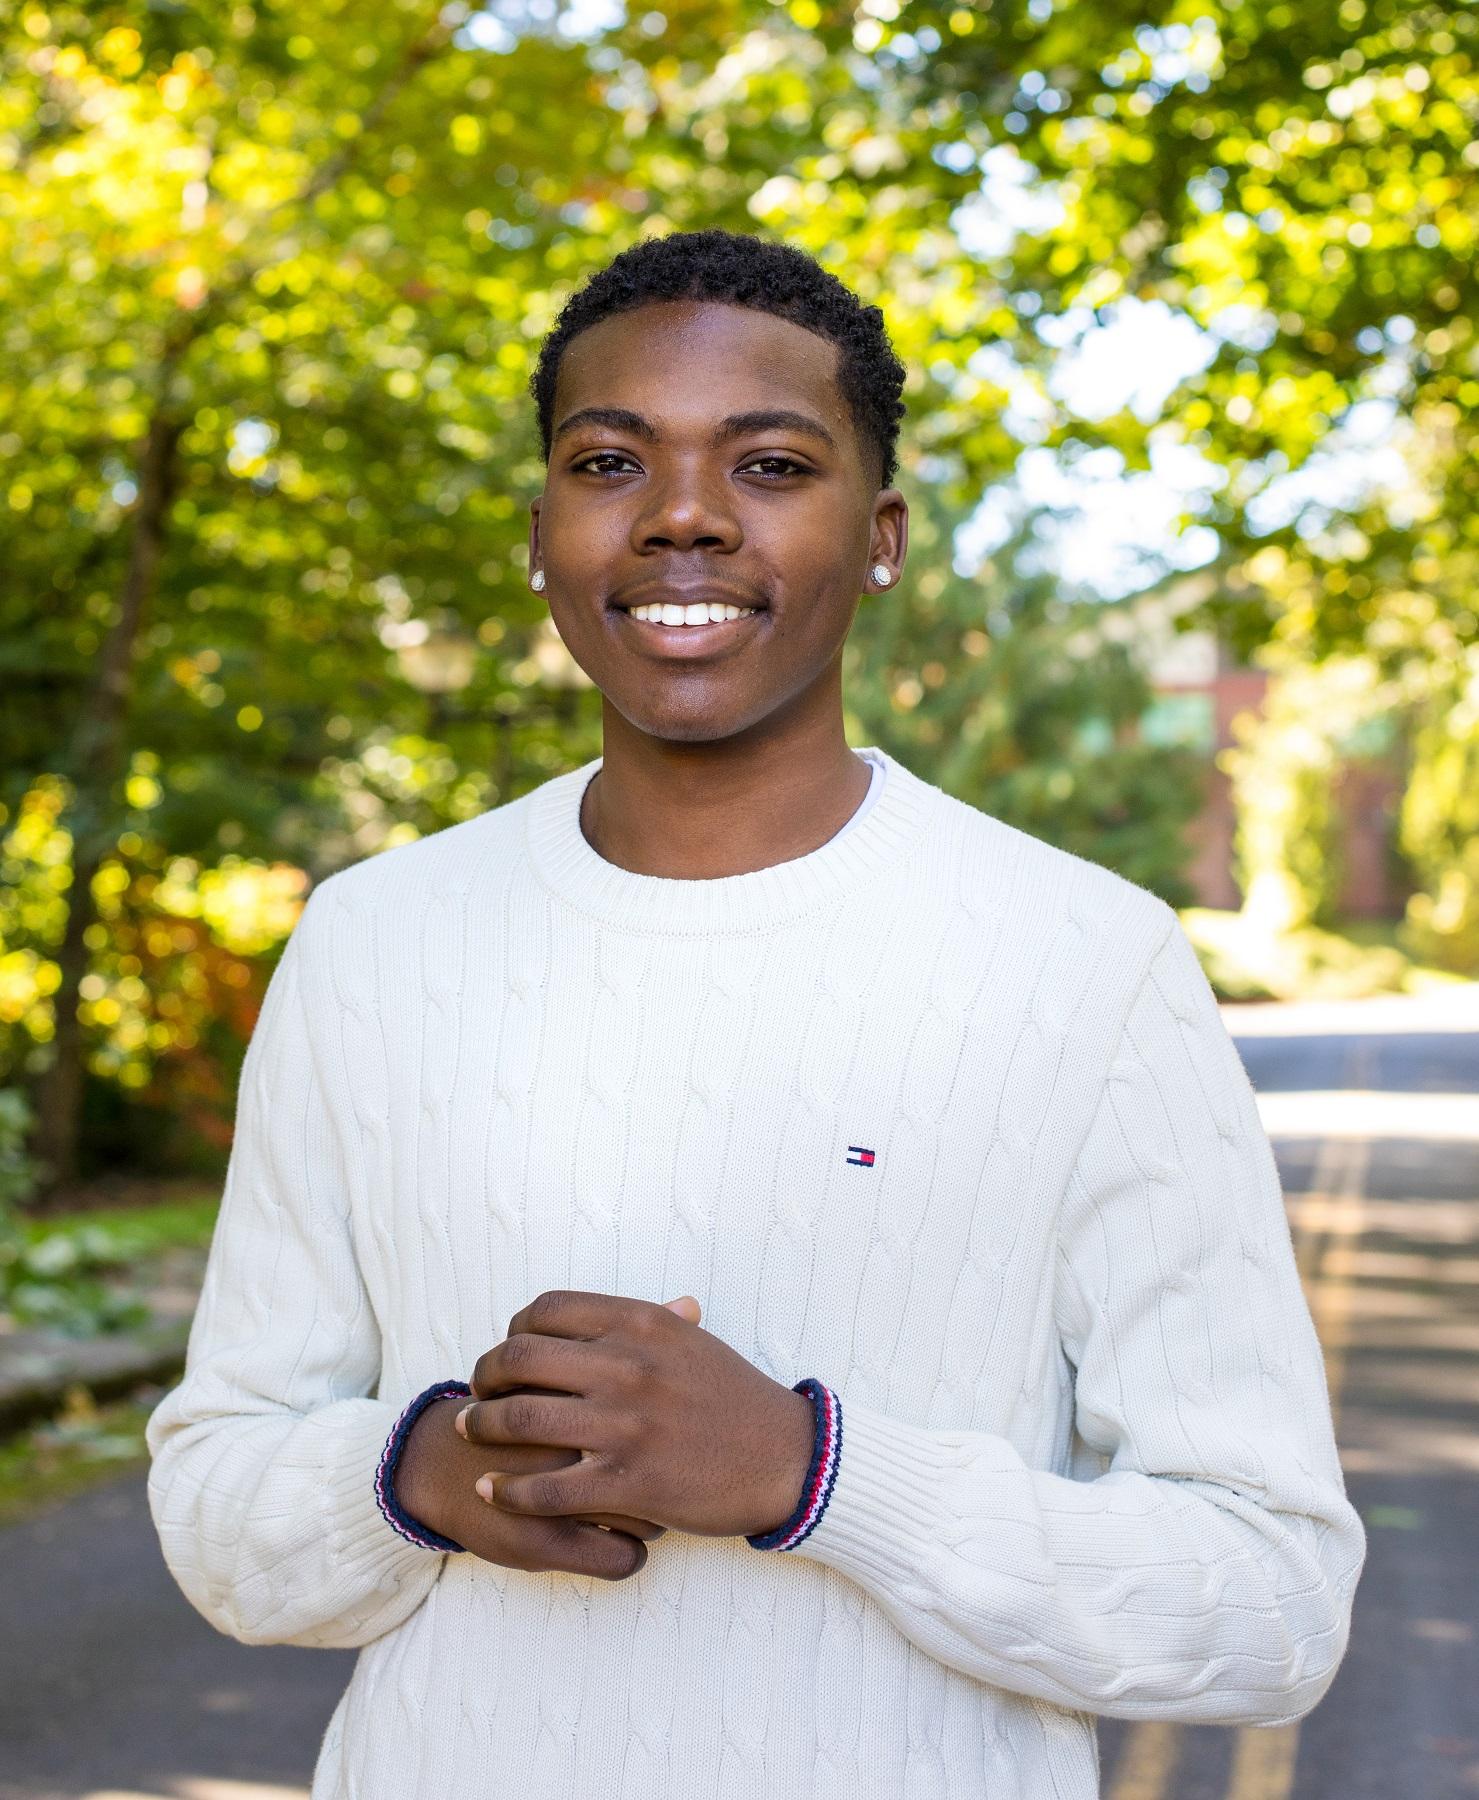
(85, 1444)
(134, 1230)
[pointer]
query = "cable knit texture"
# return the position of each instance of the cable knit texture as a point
(1087, 1463)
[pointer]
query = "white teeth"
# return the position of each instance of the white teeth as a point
(710, 612)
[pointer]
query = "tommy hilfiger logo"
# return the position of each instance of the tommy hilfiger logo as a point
(859, 1157)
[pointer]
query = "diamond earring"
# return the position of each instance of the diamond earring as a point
(536, 581)
(881, 575)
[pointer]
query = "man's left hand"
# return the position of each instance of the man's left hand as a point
(673, 1425)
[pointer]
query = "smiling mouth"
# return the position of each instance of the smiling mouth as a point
(673, 632)
(693, 616)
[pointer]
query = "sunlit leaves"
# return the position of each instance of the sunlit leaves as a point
(326, 243)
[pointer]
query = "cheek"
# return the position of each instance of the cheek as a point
(821, 546)
(572, 523)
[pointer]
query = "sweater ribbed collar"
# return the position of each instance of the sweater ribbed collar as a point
(756, 901)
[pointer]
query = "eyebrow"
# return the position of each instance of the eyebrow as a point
(621, 418)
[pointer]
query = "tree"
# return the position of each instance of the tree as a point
(271, 284)
(1016, 699)
(1302, 184)
(264, 335)
(271, 292)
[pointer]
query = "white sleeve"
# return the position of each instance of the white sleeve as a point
(264, 1457)
(1207, 1574)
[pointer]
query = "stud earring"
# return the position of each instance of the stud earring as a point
(881, 575)
(536, 581)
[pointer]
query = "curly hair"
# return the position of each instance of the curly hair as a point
(743, 271)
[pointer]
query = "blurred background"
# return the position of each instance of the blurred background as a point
(1187, 296)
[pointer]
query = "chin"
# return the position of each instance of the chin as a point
(678, 727)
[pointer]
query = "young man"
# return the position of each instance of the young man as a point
(936, 1128)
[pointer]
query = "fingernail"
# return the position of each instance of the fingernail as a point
(461, 1420)
(484, 1485)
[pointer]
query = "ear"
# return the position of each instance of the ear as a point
(889, 539)
(534, 551)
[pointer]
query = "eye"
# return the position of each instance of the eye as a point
(776, 467)
(600, 457)
(789, 466)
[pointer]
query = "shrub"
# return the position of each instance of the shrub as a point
(51, 1280)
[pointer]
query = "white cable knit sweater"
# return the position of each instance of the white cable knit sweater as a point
(1087, 1463)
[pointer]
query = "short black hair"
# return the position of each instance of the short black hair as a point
(741, 270)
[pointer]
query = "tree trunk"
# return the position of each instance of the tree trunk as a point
(95, 759)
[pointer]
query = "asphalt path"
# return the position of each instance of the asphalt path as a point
(1374, 1121)
(111, 1683)
(113, 1688)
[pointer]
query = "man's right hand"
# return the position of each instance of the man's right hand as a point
(435, 1478)
(434, 1483)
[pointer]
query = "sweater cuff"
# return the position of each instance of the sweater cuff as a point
(395, 1515)
(886, 1523)
(821, 1473)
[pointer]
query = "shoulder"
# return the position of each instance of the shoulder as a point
(396, 889)
(1041, 893)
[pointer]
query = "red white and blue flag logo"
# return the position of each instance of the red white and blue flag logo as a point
(859, 1157)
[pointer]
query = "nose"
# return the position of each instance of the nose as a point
(684, 511)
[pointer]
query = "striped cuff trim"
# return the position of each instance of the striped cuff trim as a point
(821, 1474)
(398, 1519)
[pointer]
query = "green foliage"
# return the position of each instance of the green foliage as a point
(124, 1234)
(320, 252)
(55, 1283)
(1305, 184)
(1014, 697)
(1439, 827)
(50, 1277)
(1317, 719)
(271, 285)
(18, 1172)
(287, 255)
(1284, 772)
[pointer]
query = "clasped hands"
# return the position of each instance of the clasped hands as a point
(672, 1426)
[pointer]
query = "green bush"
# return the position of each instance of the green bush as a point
(19, 1173)
(50, 1277)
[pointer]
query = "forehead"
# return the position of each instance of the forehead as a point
(684, 362)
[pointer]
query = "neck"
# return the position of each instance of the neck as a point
(728, 806)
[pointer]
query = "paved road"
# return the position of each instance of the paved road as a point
(1386, 1232)
(110, 1683)
(112, 1688)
